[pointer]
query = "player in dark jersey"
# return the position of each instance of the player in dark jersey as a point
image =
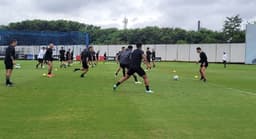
(125, 60)
(135, 67)
(49, 59)
(154, 57)
(84, 58)
(204, 63)
(68, 57)
(118, 60)
(148, 55)
(9, 61)
(62, 58)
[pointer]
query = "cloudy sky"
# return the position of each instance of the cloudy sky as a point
(141, 13)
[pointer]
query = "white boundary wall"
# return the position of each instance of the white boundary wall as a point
(186, 52)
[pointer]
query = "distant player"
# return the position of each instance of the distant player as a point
(105, 57)
(9, 61)
(84, 58)
(148, 55)
(125, 61)
(41, 58)
(225, 59)
(204, 63)
(118, 60)
(154, 57)
(135, 67)
(49, 59)
(62, 57)
(68, 57)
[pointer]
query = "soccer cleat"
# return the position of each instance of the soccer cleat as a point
(50, 75)
(10, 84)
(149, 92)
(138, 82)
(114, 87)
(82, 76)
(205, 80)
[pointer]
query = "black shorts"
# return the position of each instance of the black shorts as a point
(137, 70)
(124, 66)
(40, 60)
(94, 58)
(8, 65)
(224, 61)
(148, 59)
(153, 58)
(62, 59)
(206, 65)
(85, 65)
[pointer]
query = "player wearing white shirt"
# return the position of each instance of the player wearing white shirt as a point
(225, 59)
(41, 57)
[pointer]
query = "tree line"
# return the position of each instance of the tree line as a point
(231, 33)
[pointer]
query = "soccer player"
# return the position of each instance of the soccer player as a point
(68, 57)
(125, 60)
(204, 63)
(154, 57)
(84, 58)
(9, 61)
(118, 60)
(49, 59)
(225, 59)
(41, 58)
(148, 55)
(135, 67)
(62, 58)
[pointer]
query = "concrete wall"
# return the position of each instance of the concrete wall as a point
(186, 52)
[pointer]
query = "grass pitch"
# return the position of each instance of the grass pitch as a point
(68, 107)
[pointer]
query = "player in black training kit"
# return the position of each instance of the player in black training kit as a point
(135, 67)
(49, 59)
(68, 57)
(125, 60)
(9, 61)
(148, 55)
(84, 58)
(118, 60)
(62, 58)
(154, 57)
(204, 63)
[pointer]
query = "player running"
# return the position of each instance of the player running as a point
(204, 63)
(84, 58)
(49, 59)
(9, 61)
(62, 58)
(41, 58)
(118, 60)
(135, 67)
(125, 60)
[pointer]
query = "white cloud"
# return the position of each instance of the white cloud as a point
(141, 13)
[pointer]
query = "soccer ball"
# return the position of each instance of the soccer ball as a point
(176, 77)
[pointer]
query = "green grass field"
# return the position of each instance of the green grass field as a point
(68, 107)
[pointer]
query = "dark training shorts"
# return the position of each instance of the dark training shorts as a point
(62, 59)
(206, 65)
(85, 65)
(124, 66)
(40, 60)
(8, 65)
(138, 70)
